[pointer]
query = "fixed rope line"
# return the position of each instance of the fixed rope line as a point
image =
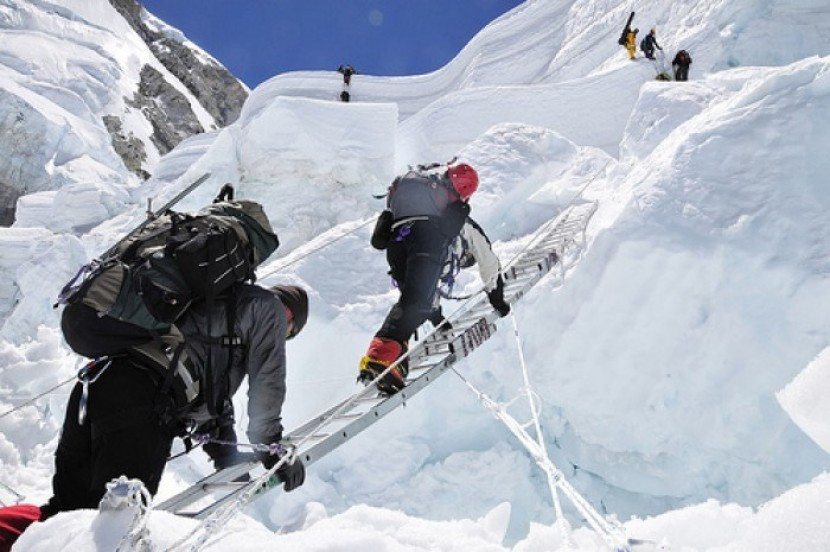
(325, 244)
(545, 228)
(219, 518)
(17, 496)
(612, 535)
(36, 397)
(532, 398)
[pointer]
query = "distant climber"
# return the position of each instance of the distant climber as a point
(426, 211)
(347, 71)
(631, 43)
(649, 43)
(680, 64)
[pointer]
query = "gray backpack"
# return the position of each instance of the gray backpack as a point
(420, 193)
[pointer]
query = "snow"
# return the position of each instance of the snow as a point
(681, 364)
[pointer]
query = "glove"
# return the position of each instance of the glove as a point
(383, 230)
(496, 298)
(292, 474)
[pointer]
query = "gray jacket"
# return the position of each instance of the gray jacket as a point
(260, 322)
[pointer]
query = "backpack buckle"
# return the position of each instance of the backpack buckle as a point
(230, 341)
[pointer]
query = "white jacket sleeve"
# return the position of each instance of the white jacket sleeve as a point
(489, 266)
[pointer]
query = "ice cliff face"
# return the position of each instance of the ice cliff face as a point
(98, 90)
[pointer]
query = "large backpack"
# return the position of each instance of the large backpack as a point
(624, 36)
(142, 285)
(421, 192)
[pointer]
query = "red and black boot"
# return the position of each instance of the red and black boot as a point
(381, 354)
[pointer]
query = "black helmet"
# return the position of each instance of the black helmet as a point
(296, 300)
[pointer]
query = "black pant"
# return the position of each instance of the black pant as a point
(120, 436)
(681, 73)
(415, 261)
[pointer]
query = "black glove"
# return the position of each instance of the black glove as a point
(496, 298)
(383, 230)
(293, 475)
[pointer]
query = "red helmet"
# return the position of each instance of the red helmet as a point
(464, 179)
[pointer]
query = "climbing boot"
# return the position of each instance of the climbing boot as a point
(381, 354)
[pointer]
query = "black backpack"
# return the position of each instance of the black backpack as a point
(137, 290)
(624, 36)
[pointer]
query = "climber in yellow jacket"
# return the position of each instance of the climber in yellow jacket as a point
(631, 43)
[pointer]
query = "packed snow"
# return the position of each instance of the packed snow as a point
(681, 364)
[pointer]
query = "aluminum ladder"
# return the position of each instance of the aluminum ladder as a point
(557, 243)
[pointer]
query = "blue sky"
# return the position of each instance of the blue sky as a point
(257, 39)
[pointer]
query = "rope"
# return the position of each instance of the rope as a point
(137, 498)
(221, 516)
(35, 398)
(316, 249)
(613, 534)
(18, 497)
(533, 400)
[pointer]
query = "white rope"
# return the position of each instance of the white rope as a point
(326, 243)
(534, 410)
(36, 397)
(219, 519)
(17, 496)
(130, 494)
(613, 535)
(545, 228)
